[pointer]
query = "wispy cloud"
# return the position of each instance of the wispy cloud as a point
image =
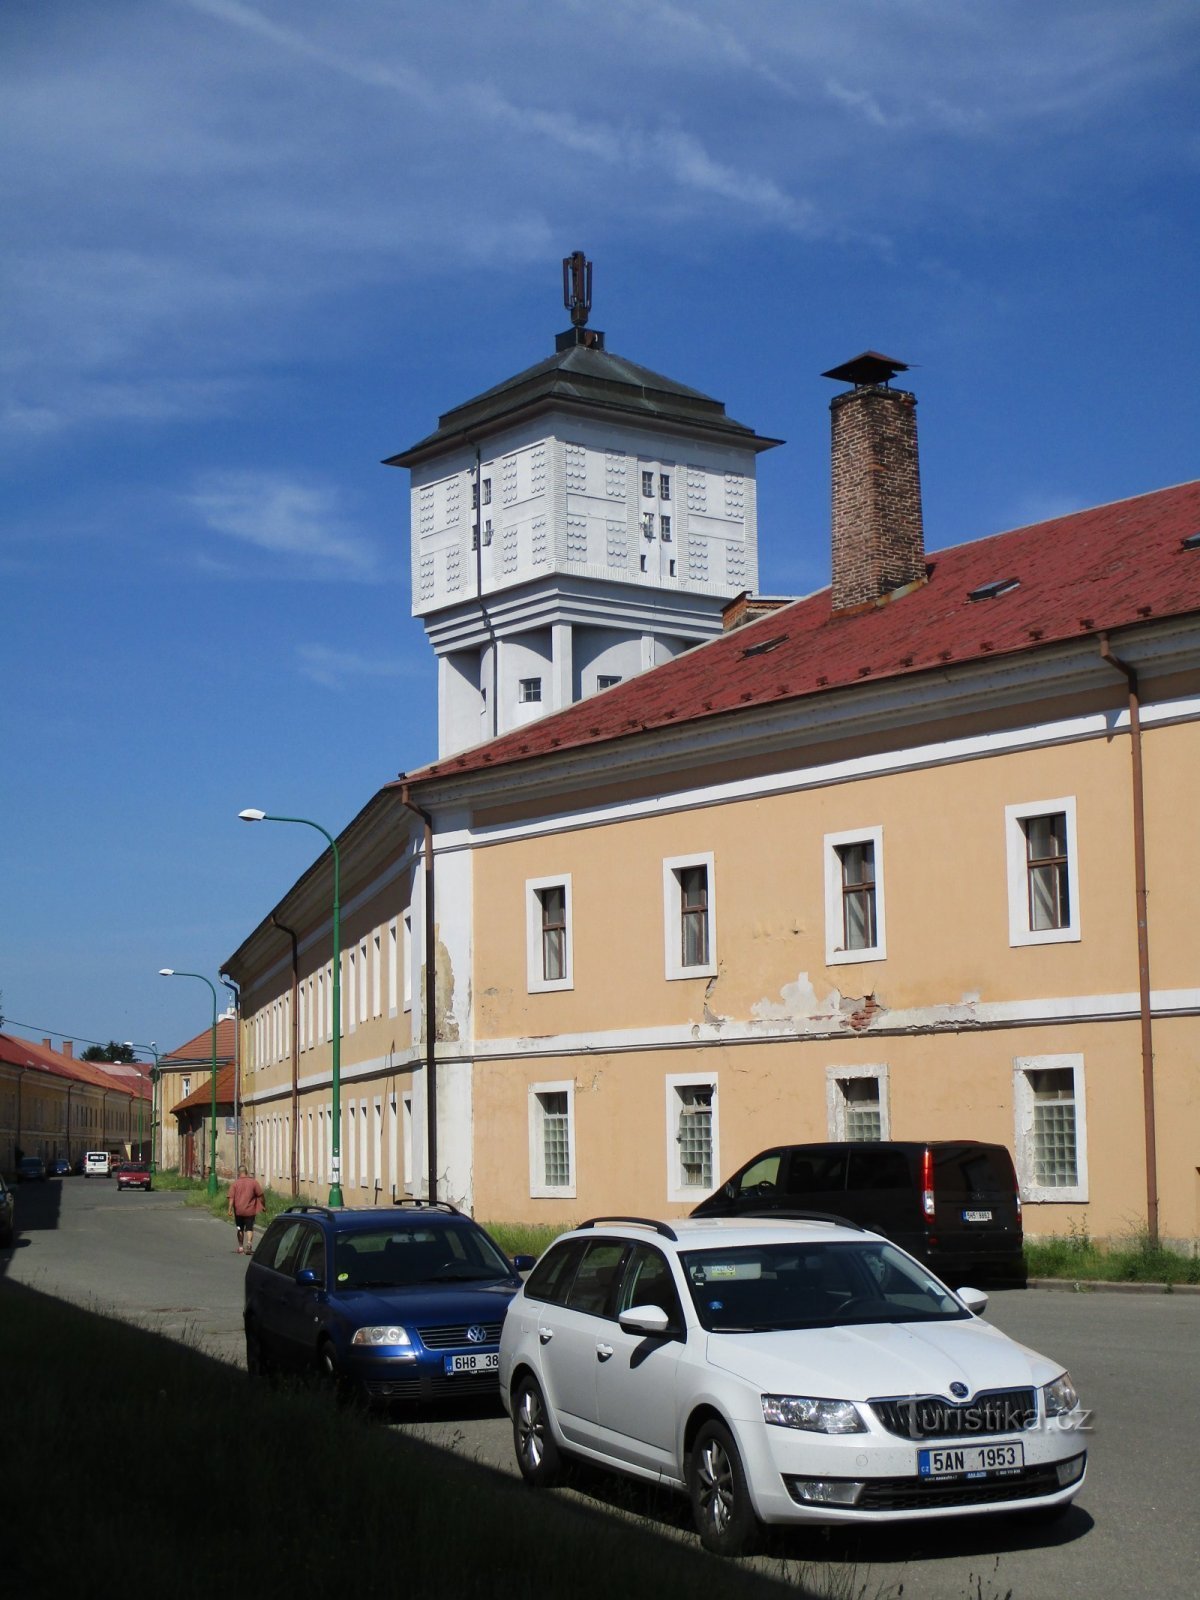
(337, 669)
(286, 517)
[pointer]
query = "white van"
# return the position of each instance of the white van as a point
(96, 1165)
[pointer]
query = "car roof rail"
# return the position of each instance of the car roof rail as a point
(324, 1211)
(420, 1204)
(788, 1214)
(638, 1222)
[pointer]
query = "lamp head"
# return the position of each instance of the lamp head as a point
(251, 815)
(166, 972)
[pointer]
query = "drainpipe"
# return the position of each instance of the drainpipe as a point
(1143, 933)
(430, 1006)
(238, 1156)
(295, 1052)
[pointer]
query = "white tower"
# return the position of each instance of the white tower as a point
(573, 526)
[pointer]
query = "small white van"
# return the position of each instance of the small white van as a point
(96, 1164)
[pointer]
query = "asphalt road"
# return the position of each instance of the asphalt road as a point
(1135, 1359)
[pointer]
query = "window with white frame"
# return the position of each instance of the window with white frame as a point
(406, 958)
(854, 909)
(647, 485)
(363, 983)
(1051, 1127)
(352, 987)
(185, 1086)
(689, 916)
(856, 1100)
(393, 967)
(552, 1139)
(529, 690)
(1043, 872)
(406, 1138)
(548, 934)
(607, 680)
(693, 1153)
(377, 973)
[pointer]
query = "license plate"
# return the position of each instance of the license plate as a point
(977, 1216)
(480, 1361)
(970, 1460)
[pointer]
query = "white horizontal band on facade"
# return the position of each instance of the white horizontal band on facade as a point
(1070, 730)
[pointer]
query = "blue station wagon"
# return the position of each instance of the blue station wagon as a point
(399, 1304)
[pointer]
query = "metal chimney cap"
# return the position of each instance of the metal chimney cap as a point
(866, 370)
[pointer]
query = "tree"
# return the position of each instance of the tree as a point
(112, 1051)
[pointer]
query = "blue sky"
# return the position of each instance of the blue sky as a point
(253, 246)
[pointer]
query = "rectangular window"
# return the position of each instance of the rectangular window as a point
(552, 1139)
(393, 967)
(406, 958)
(352, 986)
(529, 690)
(693, 1159)
(1050, 1128)
(1042, 872)
(857, 1102)
(664, 486)
(689, 916)
(648, 524)
(607, 680)
(854, 920)
(377, 973)
(671, 569)
(548, 934)
(648, 485)
(406, 1110)
(364, 978)
(474, 494)
(364, 1134)
(487, 491)
(664, 528)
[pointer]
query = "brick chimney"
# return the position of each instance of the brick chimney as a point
(68, 1049)
(878, 535)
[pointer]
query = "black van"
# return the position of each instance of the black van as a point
(952, 1203)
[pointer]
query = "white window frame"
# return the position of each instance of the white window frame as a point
(1019, 930)
(673, 917)
(539, 1189)
(835, 1100)
(406, 955)
(1023, 1108)
(350, 1000)
(377, 972)
(525, 691)
(535, 982)
(408, 1168)
(835, 954)
(393, 966)
(674, 1082)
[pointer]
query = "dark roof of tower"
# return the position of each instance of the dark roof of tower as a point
(588, 380)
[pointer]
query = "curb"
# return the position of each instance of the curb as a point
(1109, 1286)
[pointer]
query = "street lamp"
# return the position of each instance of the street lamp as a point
(170, 972)
(335, 1186)
(155, 1074)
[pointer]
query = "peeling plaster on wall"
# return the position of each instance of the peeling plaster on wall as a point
(713, 1018)
(447, 1022)
(864, 1013)
(797, 1001)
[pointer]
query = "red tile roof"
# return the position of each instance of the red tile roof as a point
(18, 1052)
(198, 1051)
(1111, 567)
(201, 1097)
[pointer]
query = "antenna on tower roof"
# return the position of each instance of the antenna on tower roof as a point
(577, 287)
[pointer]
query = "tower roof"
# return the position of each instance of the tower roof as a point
(590, 380)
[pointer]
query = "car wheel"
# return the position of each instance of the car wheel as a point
(538, 1456)
(331, 1376)
(721, 1507)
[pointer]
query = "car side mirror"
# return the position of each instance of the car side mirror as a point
(306, 1278)
(524, 1263)
(652, 1320)
(975, 1300)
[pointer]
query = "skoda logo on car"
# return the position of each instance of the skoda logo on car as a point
(958, 1390)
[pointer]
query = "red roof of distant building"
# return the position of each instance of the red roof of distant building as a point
(197, 1052)
(18, 1052)
(1108, 568)
(202, 1096)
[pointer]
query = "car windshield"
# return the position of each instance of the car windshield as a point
(762, 1288)
(400, 1256)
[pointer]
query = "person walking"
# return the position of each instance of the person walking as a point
(246, 1200)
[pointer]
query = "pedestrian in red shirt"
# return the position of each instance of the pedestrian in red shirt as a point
(246, 1200)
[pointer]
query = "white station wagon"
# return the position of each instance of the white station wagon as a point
(781, 1372)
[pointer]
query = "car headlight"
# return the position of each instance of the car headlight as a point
(381, 1335)
(815, 1416)
(1060, 1396)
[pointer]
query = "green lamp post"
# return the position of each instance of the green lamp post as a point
(335, 1186)
(170, 972)
(152, 1047)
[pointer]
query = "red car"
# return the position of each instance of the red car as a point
(133, 1175)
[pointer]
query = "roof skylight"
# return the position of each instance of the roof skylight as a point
(993, 591)
(764, 647)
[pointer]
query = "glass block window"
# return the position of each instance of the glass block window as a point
(694, 1135)
(862, 1114)
(1054, 1151)
(556, 1145)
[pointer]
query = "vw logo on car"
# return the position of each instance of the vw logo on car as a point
(478, 1335)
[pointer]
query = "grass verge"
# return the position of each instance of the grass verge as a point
(1133, 1259)
(162, 1461)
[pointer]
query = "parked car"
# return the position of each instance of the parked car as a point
(58, 1167)
(31, 1169)
(96, 1164)
(8, 1208)
(133, 1175)
(953, 1203)
(781, 1372)
(400, 1304)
